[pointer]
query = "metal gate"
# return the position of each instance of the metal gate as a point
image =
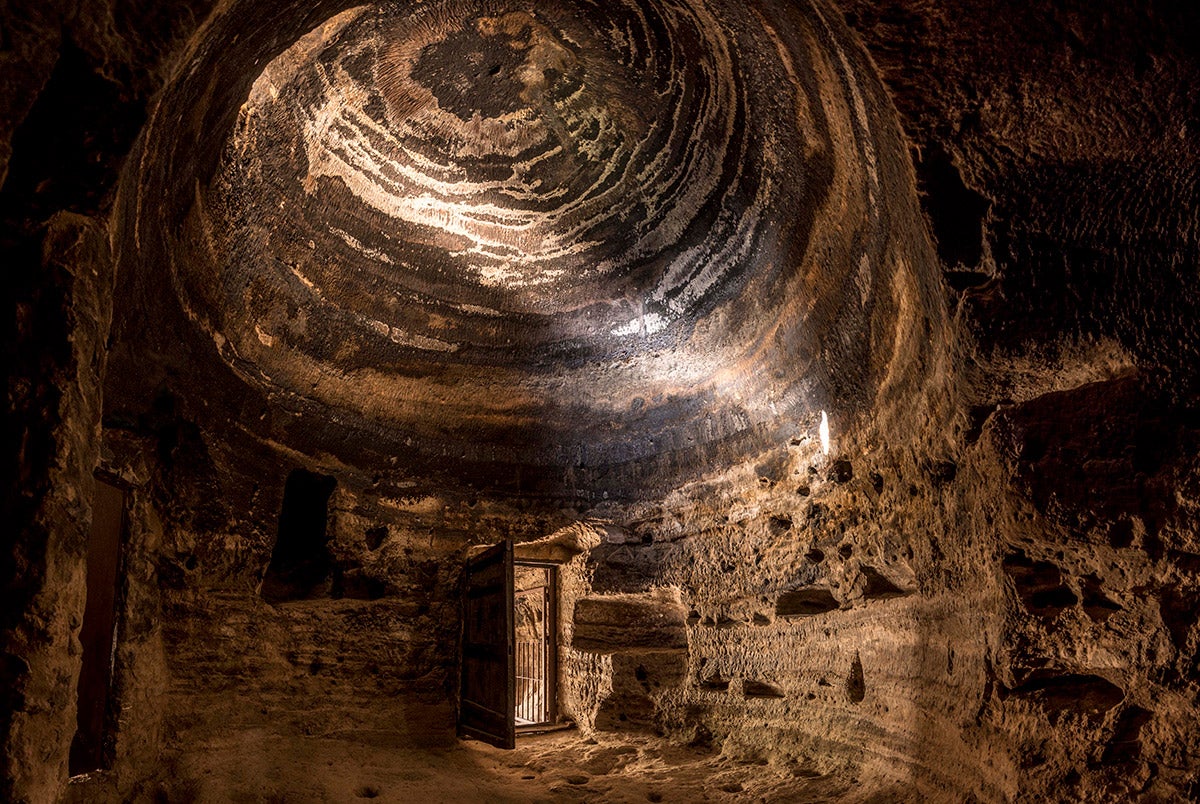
(531, 609)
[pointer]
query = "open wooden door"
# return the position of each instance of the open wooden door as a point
(488, 692)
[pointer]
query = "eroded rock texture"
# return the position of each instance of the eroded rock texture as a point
(842, 354)
(604, 247)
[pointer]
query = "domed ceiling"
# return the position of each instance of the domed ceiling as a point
(589, 239)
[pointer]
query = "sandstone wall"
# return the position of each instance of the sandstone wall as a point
(985, 591)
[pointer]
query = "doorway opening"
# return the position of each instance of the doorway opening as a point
(91, 748)
(509, 674)
(301, 564)
(534, 645)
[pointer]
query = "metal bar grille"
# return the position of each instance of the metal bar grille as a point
(531, 659)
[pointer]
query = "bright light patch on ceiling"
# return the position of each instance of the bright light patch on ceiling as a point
(649, 324)
(824, 432)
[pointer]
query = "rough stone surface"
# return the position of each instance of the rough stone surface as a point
(865, 333)
(620, 623)
(56, 448)
(600, 297)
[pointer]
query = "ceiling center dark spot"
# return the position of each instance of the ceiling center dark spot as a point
(444, 68)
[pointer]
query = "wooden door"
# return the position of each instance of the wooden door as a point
(488, 693)
(90, 749)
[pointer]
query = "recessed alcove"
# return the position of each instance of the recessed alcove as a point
(301, 566)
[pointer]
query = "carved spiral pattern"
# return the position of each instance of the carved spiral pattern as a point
(567, 234)
(589, 168)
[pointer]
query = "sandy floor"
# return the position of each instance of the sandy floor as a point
(551, 768)
(267, 764)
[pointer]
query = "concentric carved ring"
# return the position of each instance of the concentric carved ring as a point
(569, 234)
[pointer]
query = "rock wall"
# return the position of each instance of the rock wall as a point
(984, 591)
(1051, 148)
(54, 440)
(76, 78)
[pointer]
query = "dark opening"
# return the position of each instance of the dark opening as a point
(90, 750)
(856, 684)
(1039, 585)
(957, 213)
(66, 152)
(805, 603)
(301, 565)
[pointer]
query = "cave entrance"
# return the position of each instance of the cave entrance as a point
(90, 749)
(509, 647)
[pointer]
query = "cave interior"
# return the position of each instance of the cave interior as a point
(648, 400)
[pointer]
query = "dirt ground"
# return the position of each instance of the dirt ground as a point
(353, 762)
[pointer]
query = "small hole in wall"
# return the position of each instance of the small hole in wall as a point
(375, 537)
(856, 686)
